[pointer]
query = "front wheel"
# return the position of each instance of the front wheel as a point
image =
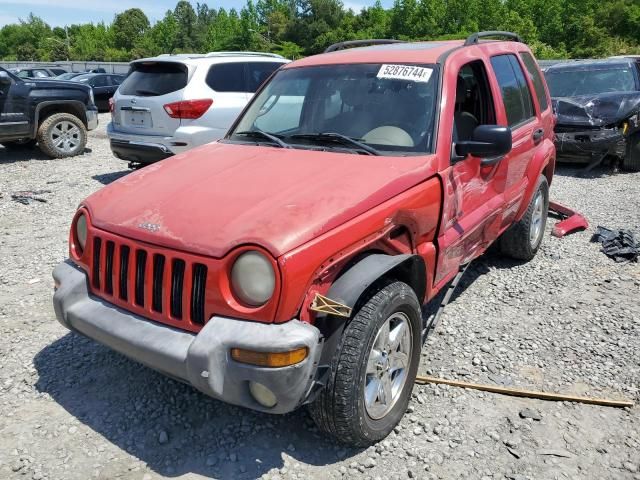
(62, 135)
(373, 370)
(523, 239)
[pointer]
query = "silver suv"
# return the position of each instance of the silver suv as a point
(171, 103)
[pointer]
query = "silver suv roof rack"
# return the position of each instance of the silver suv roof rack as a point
(255, 54)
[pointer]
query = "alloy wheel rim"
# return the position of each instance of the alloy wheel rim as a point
(388, 365)
(65, 136)
(537, 220)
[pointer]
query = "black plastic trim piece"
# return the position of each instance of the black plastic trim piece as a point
(360, 43)
(474, 38)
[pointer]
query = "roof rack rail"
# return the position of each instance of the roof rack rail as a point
(255, 54)
(474, 38)
(181, 55)
(359, 43)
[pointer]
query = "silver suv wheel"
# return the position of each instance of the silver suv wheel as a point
(387, 365)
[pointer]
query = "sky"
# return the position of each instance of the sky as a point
(66, 12)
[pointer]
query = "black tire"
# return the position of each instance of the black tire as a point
(631, 160)
(20, 144)
(516, 242)
(340, 408)
(55, 127)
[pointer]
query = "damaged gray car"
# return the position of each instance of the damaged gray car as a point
(597, 106)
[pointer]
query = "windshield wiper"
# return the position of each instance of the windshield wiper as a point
(268, 136)
(338, 138)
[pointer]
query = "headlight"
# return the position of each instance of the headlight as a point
(81, 231)
(253, 279)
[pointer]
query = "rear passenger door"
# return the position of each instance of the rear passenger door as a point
(228, 81)
(519, 114)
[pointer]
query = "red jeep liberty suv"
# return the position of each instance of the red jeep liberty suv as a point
(287, 263)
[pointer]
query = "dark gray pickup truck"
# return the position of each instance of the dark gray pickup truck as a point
(54, 114)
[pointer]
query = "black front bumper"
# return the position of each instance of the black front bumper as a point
(139, 152)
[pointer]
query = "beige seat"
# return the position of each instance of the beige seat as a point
(388, 135)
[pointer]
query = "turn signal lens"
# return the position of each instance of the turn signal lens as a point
(269, 359)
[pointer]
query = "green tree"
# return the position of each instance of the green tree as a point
(129, 27)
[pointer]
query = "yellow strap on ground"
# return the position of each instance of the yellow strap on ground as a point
(516, 392)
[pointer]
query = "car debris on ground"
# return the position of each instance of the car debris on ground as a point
(621, 245)
(28, 196)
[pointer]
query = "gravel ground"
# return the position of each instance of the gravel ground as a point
(569, 321)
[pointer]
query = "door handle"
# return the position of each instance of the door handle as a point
(537, 136)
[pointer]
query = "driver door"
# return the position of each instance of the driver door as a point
(474, 187)
(13, 106)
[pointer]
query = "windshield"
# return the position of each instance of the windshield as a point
(371, 107)
(592, 81)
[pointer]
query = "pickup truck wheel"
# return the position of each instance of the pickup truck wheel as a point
(631, 160)
(373, 370)
(523, 239)
(62, 135)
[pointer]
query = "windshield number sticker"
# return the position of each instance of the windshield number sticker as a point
(405, 72)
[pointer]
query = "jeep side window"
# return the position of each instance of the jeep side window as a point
(536, 79)
(474, 105)
(515, 91)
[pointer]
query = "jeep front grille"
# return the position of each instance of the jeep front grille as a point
(160, 284)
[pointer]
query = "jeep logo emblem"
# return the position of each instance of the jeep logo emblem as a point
(152, 227)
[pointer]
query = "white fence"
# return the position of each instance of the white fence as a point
(110, 67)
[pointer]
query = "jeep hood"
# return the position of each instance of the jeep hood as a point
(600, 110)
(216, 197)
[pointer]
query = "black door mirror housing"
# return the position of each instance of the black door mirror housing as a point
(486, 141)
(5, 78)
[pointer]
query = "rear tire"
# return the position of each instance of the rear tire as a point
(523, 239)
(62, 135)
(372, 372)
(631, 160)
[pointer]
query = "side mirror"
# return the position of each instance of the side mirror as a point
(5, 79)
(486, 141)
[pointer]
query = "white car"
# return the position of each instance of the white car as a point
(171, 103)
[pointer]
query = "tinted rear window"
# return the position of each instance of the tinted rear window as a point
(515, 92)
(153, 79)
(536, 78)
(227, 77)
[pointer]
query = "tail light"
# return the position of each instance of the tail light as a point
(111, 103)
(188, 109)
